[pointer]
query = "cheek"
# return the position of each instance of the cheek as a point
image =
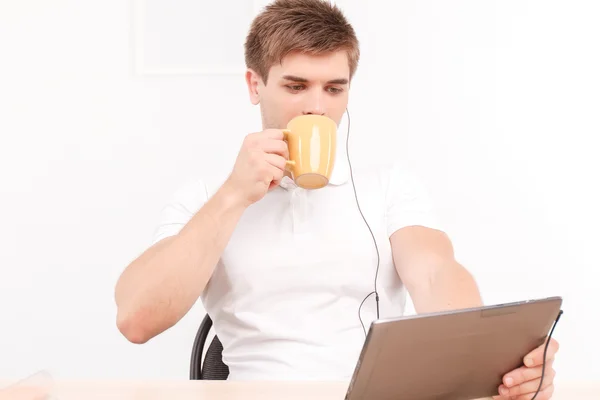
(294, 102)
(337, 101)
(280, 110)
(336, 108)
(291, 106)
(279, 100)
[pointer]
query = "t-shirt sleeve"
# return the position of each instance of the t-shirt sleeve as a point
(407, 202)
(182, 206)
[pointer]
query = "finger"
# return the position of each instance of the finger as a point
(528, 387)
(276, 176)
(272, 134)
(536, 357)
(524, 374)
(275, 167)
(276, 161)
(545, 394)
(274, 146)
(254, 140)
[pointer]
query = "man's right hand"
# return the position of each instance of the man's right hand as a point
(260, 165)
(161, 285)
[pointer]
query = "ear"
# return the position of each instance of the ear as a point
(253, 80)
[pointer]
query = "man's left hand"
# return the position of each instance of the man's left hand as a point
(523, 382)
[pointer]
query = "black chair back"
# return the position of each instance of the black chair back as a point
(213, 367)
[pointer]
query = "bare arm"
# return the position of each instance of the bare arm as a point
(425, 262)
(158, 288)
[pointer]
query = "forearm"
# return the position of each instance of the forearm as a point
(158, 288)
(449, 287)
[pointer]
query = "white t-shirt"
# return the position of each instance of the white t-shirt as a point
(285, 295)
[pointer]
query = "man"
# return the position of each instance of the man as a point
(282, 271)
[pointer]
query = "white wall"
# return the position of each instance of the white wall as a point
(494, 103)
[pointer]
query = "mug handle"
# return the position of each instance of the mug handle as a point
(288, 163)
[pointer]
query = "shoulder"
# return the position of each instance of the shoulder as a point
(392, 177)
(190, 195)
(401, 178)
(407, 198)
(183, 203)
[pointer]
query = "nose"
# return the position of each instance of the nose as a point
(314, 105)
(313, 112)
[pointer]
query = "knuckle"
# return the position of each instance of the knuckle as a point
(284, 148)
(518, 390)
(254, 158)
(250, 140)
(260, 168)
(275, 133)
(522, 376)
(281, 163)
(263, 170)
(278, 174)
(547, 392)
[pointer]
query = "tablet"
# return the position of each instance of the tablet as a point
(461, 354)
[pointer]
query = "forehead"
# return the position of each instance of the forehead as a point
(322, 67)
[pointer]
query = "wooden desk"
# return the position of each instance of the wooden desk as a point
(199, 390)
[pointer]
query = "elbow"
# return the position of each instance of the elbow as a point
(133, 328)
(424, 275)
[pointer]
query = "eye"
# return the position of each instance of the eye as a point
(295, 88)
(334, 90)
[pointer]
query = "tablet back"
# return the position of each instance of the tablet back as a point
(460, 354)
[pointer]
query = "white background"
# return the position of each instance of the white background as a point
(495, 104)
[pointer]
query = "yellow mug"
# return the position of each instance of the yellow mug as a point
(311, 142)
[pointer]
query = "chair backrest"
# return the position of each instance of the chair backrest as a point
(213, 367)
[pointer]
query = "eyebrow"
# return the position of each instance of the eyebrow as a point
(339, 81)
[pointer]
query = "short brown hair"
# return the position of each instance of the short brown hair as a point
(309, 26)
